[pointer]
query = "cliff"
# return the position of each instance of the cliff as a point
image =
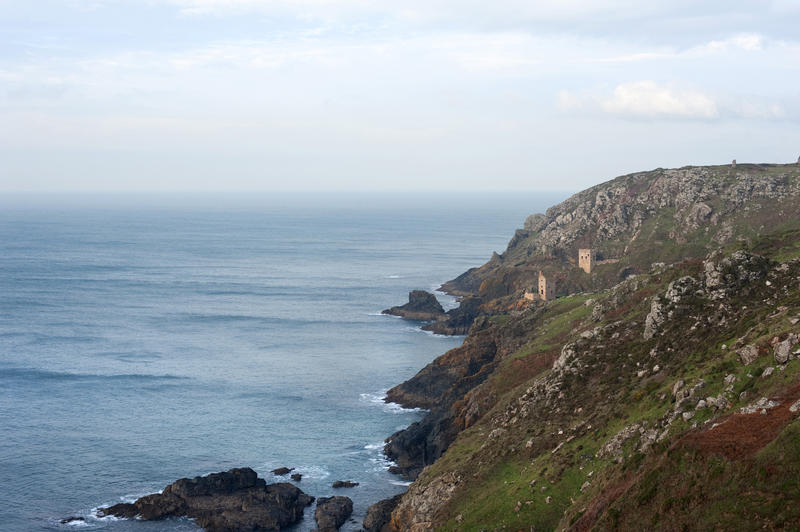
(663, 215)
(662, 387)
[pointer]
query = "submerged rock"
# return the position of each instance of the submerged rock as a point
(332, 512)
(344, 484)
(282, 471)
(421, 306)
(221, 502)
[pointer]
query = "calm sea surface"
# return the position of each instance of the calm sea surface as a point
(148, 338)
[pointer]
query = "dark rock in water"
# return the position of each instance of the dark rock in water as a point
(421, 306)
(72, 519)
(282, 470)
(221, 502)
(297, 477)
(380, 514)
(332, 512)
(344, 484)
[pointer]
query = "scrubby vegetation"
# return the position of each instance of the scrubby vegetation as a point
(667, 400)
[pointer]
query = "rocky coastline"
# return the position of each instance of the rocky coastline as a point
(643, 227)
(692, 311)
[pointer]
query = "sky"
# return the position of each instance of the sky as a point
(205, 95)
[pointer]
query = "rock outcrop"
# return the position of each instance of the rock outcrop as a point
(235, 500)
(332, 512)
(379, 515)
(421, 306)
(458, 320)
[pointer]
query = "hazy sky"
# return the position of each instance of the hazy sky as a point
(430, 94)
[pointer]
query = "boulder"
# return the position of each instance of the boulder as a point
(221, 502)
(282, 471)
(783, 350)
(422, 306)
(380, 514)
(332, 512)
(297, 477)
(747, 354)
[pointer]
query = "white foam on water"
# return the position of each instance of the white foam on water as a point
(400, 482)
(381, 314)
(312, 472)
(376, 399)
(429, 333)
(394, 276)
(129, 498)
(77, 524)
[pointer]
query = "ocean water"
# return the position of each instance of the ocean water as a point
(148, 338)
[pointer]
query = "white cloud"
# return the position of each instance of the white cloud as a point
(748, 42)
(650, 100)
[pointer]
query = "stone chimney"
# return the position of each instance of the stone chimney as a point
(733, 164)
(586, 260)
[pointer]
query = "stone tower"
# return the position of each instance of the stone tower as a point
(546, 290)
(586, 260)
(733, 164)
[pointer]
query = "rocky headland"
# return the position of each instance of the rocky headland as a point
(421, 306)
(660, 389)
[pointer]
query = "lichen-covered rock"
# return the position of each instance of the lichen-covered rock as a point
(762, 405)
(747, 354)
(418, 507)
(733, 272)
(783, 350)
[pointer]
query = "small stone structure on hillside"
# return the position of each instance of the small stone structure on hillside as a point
(586, 259)
(547, 290)
(733, 164)
(530, 296)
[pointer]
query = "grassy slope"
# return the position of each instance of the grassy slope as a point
(670, 486)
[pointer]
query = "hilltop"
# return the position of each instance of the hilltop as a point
(661, 390)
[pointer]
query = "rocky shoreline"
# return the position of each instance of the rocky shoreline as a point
(540, 382)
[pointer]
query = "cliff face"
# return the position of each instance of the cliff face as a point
(652, 399)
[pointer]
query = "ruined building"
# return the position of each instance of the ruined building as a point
(586, 260)
(547, 291)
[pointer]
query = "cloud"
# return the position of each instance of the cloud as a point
(650, 100)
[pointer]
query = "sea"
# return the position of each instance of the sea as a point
(150, 337)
